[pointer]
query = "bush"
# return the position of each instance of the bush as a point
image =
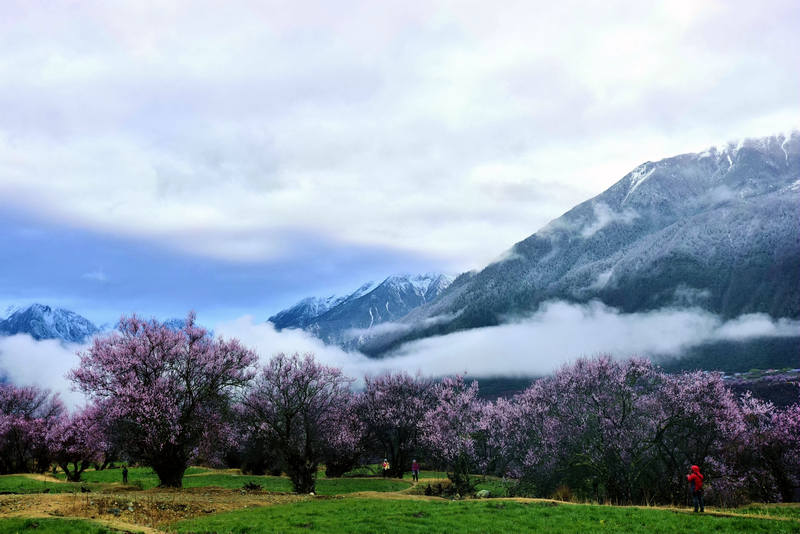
(562, 493)
(525, 487)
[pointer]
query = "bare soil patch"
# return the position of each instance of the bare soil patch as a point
(151, 509)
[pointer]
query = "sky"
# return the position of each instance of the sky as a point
(233, 157)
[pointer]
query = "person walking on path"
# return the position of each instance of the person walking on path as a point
(415, 470)
(385, 468)
(695, 479)
(124, 474)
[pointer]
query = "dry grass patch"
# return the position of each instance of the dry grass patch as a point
(151, 508)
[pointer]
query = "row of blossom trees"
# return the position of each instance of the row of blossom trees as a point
(620, 431)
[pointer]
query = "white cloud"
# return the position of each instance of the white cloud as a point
(446, 129)
(267, 342)
(394, 327)
(604, 215)
(757, 325)
(561, 332)
(98, 276)
(690, 296)
(45, 363)
(602, 279)
(558, 333)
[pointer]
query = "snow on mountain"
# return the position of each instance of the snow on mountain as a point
(43, 322)
(335, 319)
(10, 310)
(358, 293)
(308, 309)
(717, 230)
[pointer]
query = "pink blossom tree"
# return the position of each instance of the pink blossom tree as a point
(295, 404)
(344, 446)
(699, 423)
(25, 415)
(767, 450)
(626, 431)
(787, 434)
(111, 430)
(76, 441)
(526, 436)
(167, 390)
(598, 414)
(453, 431)
(500, 425)
(393, 409)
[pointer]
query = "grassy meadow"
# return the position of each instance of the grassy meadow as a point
(216, 501)
(364, 515)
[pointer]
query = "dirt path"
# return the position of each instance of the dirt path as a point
(146, 511)
(40, 478)
(234, 472)
(110, 523)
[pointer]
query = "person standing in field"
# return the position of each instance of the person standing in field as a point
(415, 470)
(385, 468)
(695, 479)
(124, 474)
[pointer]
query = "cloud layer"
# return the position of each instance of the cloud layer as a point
(45, 363)
(448, 130)
(558, 333)
(561, 332)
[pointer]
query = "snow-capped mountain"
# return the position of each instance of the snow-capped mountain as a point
(304, 312)
(346, 320)
(718, 230)
(44, 322)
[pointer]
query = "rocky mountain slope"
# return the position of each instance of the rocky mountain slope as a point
(718, 230)
(349, 320)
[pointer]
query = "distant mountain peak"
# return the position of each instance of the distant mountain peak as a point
(331, 318)
(42, 321)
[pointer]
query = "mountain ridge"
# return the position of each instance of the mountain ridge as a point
(347, 320)
(41, 321)
(716, 229)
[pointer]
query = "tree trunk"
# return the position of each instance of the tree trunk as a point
(170, 475)
(73, 475)
(397, 464)
(302, 474)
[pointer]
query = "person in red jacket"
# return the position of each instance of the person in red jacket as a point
(695, 479)
(385, 466)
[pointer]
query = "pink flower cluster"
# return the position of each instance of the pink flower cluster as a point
(26, 414)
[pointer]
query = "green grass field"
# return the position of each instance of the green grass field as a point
(789, 511)
(143, 476)
(335, 510)
(52, 526)
(362, 515)
(359, 515)
(24, 484)
(325, 486)
(195, 477)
